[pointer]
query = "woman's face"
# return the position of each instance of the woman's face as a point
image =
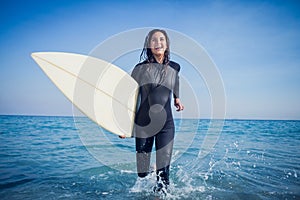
(158, 44)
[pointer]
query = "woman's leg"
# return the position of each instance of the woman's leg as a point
(143, 155)
(164, 146)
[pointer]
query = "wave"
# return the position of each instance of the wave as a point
(15, 183)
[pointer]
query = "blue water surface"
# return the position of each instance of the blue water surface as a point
(49, 158)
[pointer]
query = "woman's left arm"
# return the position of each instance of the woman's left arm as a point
(177, 101)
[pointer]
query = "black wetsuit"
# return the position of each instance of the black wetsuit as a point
(154, 120)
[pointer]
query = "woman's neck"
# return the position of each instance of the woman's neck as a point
(159, 59)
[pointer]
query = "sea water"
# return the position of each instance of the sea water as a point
(51, 158)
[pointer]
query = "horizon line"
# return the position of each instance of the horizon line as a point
(252, 119)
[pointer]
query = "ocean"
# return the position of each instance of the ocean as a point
(71, 158)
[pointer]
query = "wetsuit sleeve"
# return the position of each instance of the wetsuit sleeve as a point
(176, 86)
(134, 73)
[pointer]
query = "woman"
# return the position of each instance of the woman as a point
(157, 77)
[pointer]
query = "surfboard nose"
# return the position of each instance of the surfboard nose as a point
(34, 55)
(40, 54)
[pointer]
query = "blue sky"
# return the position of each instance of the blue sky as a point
(254, 44)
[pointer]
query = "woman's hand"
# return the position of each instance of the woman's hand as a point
(178, 104)
(122, 136)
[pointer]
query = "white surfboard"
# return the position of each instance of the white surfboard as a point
(103, 92)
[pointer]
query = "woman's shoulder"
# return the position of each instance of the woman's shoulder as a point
(140, 65)
(174, 65)
(139, 68)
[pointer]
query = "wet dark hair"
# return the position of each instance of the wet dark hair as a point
(147, 54)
